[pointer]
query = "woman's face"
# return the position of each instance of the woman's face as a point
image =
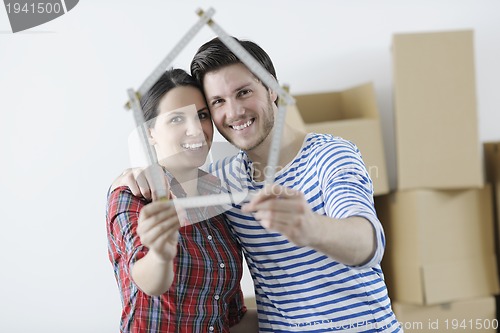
(183, 131)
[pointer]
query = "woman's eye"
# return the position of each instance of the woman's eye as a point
(204, 115)
(176, 120)
(216, 101)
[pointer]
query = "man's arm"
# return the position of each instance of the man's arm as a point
(140, 181)
(350, 241)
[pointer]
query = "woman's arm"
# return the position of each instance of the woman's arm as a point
(158, 230)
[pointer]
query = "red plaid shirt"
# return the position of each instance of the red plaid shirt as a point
(205, 295)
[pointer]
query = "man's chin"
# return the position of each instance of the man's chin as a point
(242, 144)
(246, 145)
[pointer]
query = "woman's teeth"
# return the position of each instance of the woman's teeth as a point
(242, 126)
(192, 145)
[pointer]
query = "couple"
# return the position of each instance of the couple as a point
(312, 240)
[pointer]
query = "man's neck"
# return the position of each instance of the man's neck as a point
(291, 142)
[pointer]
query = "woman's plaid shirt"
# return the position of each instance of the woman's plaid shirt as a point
(205, 295)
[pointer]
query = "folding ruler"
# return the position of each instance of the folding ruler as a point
(254, 66)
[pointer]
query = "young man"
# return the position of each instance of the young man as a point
(312, 240)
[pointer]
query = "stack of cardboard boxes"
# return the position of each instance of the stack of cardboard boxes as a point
(440, 263)
(492, 163)
(351, 114)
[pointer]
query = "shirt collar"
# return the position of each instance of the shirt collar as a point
(207, 184)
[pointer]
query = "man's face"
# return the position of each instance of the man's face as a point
(242, 108)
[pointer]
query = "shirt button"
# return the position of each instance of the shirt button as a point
(216, 297)
(211, 328)
(209, 237)
(222, 265)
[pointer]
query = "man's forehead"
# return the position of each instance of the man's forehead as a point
(229, 77)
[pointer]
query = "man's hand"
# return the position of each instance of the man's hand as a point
(140, 181)
(158, 229)
(350, 240)
(286, 211)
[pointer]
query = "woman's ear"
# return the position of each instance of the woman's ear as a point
(151, 136)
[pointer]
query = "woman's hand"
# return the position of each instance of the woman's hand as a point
(158, 228)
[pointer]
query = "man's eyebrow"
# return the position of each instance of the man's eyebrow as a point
(203, 109)
(243, 86)
(214, 97)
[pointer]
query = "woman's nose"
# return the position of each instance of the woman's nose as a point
(193, 128)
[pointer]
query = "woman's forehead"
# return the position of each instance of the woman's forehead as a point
(180, 97)
(183, 110)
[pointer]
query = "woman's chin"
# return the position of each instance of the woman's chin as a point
(194, 158)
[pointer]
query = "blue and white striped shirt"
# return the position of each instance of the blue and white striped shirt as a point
(299, 289)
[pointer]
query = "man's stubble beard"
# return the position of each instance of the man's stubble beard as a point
(267, 128)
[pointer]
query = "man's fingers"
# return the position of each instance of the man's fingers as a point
(271, 193)
(143, 185)
(127, 178)
(280, 205)
(135, 189)
(155, 181)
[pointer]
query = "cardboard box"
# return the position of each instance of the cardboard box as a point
(351, 114)
(294, 119)
(473, 315)
(492, 163)
(439, 245)
(436, 126)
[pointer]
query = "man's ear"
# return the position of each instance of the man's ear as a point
(273, 95)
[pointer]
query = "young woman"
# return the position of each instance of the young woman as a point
(173, 278)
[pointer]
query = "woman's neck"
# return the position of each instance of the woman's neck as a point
(188, 179)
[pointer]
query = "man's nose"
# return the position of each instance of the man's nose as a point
(235, 109)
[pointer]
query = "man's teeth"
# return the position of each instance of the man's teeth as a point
(242, 126)
(192, 145)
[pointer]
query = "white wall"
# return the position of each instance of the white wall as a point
(64, 131)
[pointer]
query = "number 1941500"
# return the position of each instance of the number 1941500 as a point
(38, 8)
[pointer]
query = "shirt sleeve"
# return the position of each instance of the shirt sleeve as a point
(348, 189)
(236, 308)
(122, 216)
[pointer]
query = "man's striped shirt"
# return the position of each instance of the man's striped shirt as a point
(299, 289)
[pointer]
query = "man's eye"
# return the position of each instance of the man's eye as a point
(244, 92)
(216, 101)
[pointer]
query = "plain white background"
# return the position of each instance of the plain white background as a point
(64, 132)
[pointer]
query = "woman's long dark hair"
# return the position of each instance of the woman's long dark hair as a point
(169, 80)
